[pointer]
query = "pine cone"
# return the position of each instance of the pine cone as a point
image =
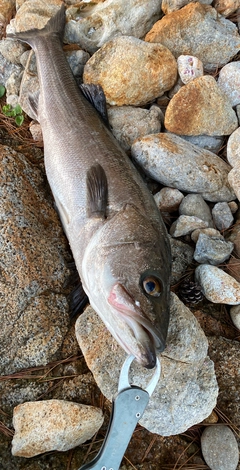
(190, 292)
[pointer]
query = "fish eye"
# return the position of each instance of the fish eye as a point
(152, 286)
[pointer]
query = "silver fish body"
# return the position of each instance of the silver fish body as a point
(119, 243)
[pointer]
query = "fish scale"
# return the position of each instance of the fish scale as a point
(116, 234)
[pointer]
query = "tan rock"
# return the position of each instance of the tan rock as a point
(200, 107)
(168, 6)
(226, 7)
(35, 14)
(6, 11)
(125, 65)
(42, 426)
(233, 179)
(191, 30)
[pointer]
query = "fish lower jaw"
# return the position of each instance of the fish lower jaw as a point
(145, 353)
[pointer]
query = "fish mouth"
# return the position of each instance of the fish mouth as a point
(149, 339)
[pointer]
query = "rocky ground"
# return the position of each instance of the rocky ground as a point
(170, 73)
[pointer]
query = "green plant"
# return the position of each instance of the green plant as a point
(15, 113)
(2, 91)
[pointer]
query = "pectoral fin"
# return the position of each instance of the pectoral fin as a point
(95, 96)
(97, 192)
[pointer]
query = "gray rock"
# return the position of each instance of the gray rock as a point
(7, 68)
(233, 179)
(220, 448)
(12, 50)
(129, 123)
(200, 25)
(218, 286)
(212, 250)
(235, 316)
(33, 268)
(182, 256)
(185, 224)
(101, 22)
(168, 6)
(42, 426)
(222, 215)
(13, 84)
(194, 204)
(228, 81)
(187, 390)
(208, 142)
(176, 163)
(168, 199)
(77, 59)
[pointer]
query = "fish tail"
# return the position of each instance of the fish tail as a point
(55, 26)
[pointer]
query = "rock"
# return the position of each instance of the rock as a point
(189, 113)
(43, 426)
(234, 236)
(185, 224)
(186, 371)
(233, 146)
(219, 448)
(129, 123)
(7, 10)
(218, 286)
(33, 259)
(36, 131)
(189, 68)
(222, 215)
(233, 179)
(228, 82)
(194, 205)
(7, 69)
(176, 163)
(168, 199)
(12, 50)
(34, 14)
(77, 59)
(235, 316)
(182, 256)
(210, 232)
(226, 7)
(212, 250)
(200, 25)
(139, 63)
(168, 6)
(225, 354)
(101, 22)
(233, 206)
(208, 142)
(178, 85)
(13, 84)
(232, 268)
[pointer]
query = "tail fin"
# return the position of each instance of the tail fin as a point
(54, 26)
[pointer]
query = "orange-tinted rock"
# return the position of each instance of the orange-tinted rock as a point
(131, 71)
(197, 30)
(199, 108)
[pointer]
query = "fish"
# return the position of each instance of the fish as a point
(115, 231)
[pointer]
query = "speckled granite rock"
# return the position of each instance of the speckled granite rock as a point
(187, 372)
(34, 313)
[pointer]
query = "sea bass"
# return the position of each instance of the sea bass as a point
(115, 231)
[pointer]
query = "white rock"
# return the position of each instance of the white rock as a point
(235, 315)
(168, 199)
(228, 81)
(185, 224)
(187, 390)
(189, 67)
(176, 163)
(42, 426)
(218, 286)
(233, 147)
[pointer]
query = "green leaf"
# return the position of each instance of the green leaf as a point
(2, 90)
(19, 119)
(7, 110)
(17, 110)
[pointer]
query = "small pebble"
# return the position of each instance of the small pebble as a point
(211, 419)
(194, 204)
(211, 232)
(218, 286)
(222, 215)
(219, 448)
(168, 199)
(189, 67)
(212, 250)
(233, 206)
(235, 316)
(36, 131)
(185, 224)
(228, 81)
